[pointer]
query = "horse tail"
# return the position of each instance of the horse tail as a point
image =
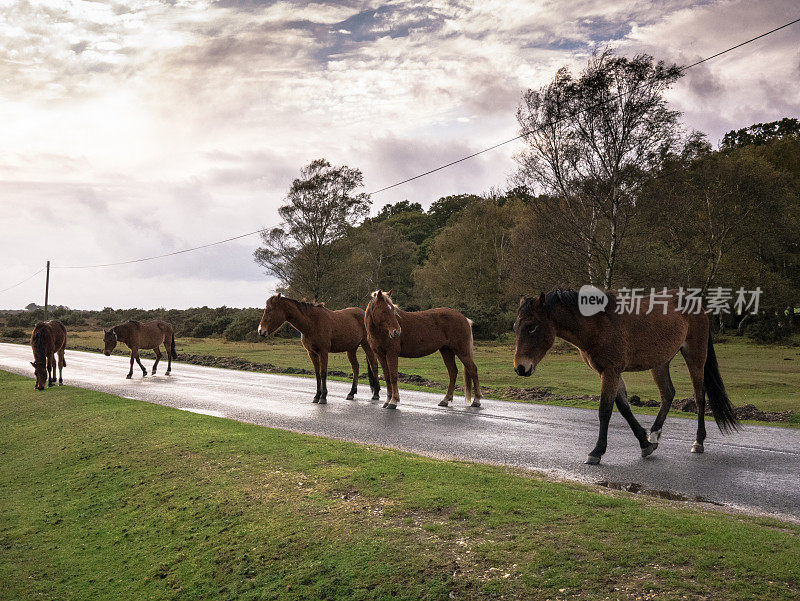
(717, 397)
(172, 346)
(467, 374)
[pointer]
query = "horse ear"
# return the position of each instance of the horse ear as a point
(522, 300)
(390, 292)
(32, 363)
(541, 298)
(279, 294)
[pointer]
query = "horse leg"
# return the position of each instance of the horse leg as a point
(61, 365)
(387, 378)
(667, 391)
(139, 361)
(625, 410)
(471, 381)
(392, 361)
(323, 370)
(158, 358)
(130, 373)
(372, 371)
(696, 361)
(609, 382)
(51, 369)
(315, 360)
(449, 358)
(351, 355)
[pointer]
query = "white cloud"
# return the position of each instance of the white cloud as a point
(139, 127)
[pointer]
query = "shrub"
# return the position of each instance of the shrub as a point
(14, 333)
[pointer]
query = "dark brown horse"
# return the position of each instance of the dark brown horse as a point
(393, 333)
(323, 331)
(147, 335)
(47, 339)
(612, 343)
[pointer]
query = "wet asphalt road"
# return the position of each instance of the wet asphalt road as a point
(757, 468)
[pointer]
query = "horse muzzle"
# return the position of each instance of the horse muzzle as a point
(107, 353)
(523, 371)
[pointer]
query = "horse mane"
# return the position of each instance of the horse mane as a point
(37, 342)
(568, 299)
(387, 296)
(305, 306)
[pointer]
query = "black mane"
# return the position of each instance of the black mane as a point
(566, 297)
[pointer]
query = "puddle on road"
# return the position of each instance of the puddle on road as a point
(638, 489)
(203, 411)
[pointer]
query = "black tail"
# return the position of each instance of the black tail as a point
(717, 398)
(172, 348)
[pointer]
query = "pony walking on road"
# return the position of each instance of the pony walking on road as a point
(612, 343)
(138, 335)
(323, 331)
(48, 339)
(393, 333)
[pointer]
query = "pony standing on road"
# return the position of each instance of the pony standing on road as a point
(393, 333)
(47, 339)
(323, 331)
(612, 343)
(138, 335)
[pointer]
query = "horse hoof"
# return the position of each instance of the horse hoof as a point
(391, 406)
(350, 397)
(323, 401)
(129, 376)
(697, 447)
(50, 384)
(376, 397)
(61, 383)
(315, 401)
(386, 404)
(592, 460)
(475, 404)
(648, 450)
(444, 403)
(655, 435)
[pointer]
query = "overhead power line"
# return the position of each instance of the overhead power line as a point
(430, 171)
(30, 277)
(575, 114)
(170, 254)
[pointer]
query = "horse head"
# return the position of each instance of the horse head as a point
(110, 339)
(535, 334)
(384, 314)
(274, 315)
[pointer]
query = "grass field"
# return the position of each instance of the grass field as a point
(767, 376)
(107, 498)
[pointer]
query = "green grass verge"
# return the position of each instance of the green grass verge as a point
(767, 376)
(107, 498)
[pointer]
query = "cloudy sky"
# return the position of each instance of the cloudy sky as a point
(137, 127)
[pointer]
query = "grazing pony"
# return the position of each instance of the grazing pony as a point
(612, 343)
(323, 331)
(47, 339)
(393, 333)
(138, 335)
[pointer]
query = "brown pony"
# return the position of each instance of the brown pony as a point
(393, 333)
(323, 331)
(47, 339)
(612, 343)
(138, 335)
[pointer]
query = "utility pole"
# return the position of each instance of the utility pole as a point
(46, 289)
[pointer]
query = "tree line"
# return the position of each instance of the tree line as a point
(609, 190)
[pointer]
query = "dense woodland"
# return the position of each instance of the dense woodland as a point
(610, 190)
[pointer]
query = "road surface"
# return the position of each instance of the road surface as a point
(755, 469)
